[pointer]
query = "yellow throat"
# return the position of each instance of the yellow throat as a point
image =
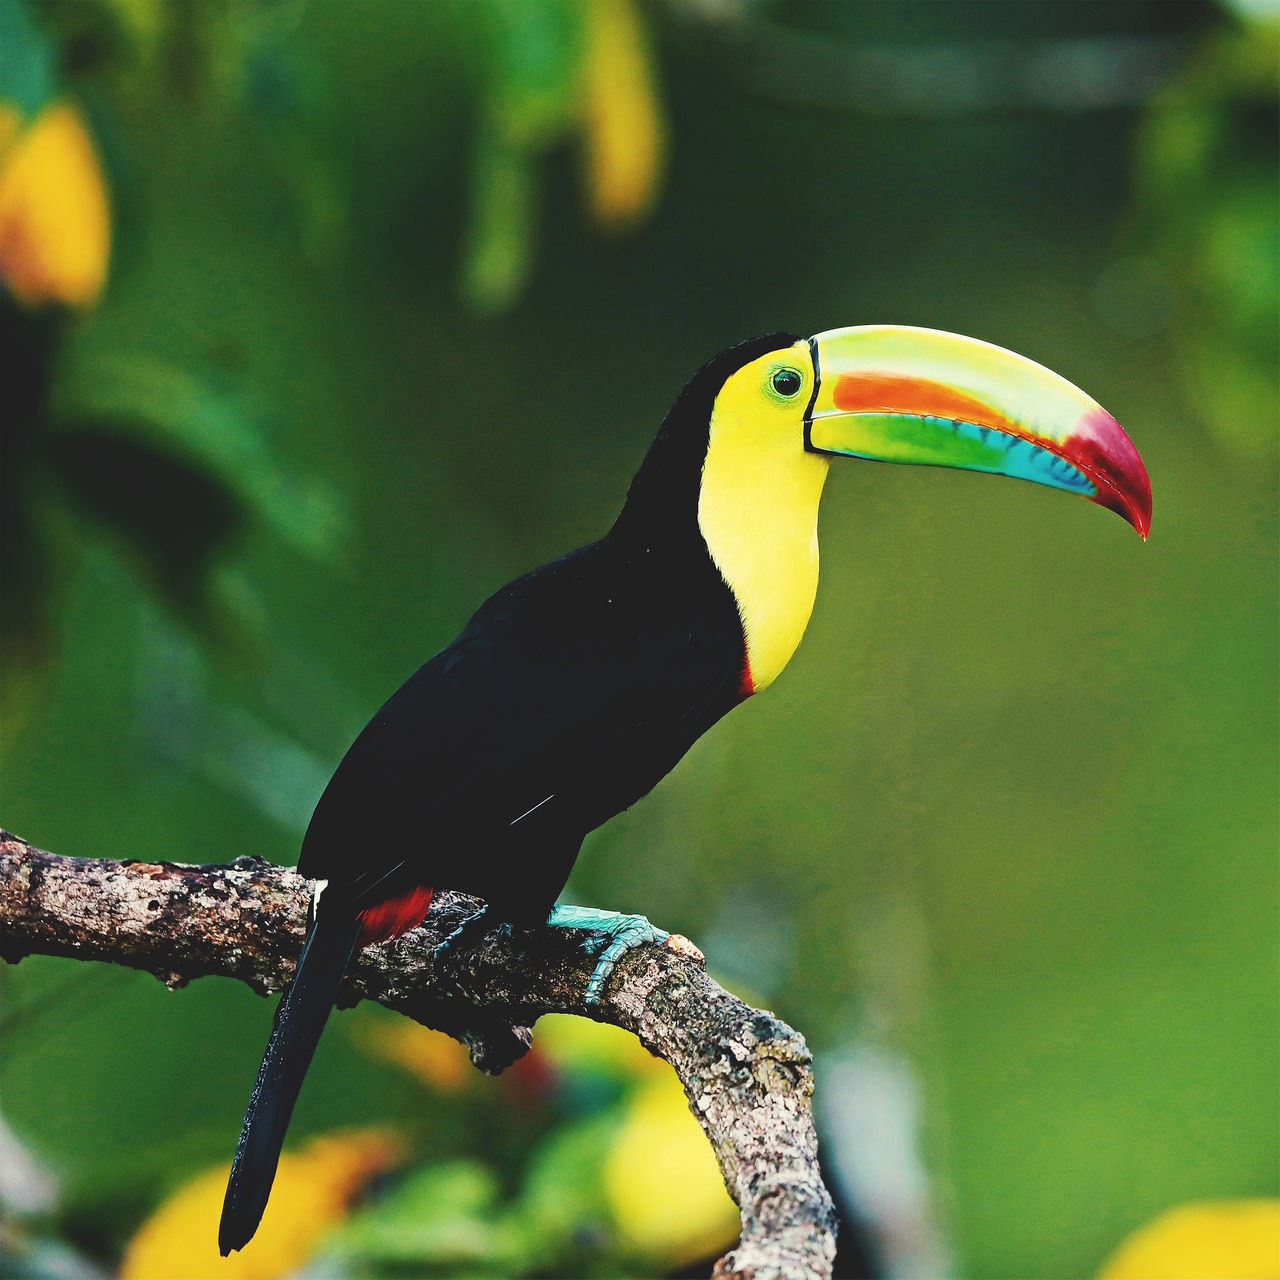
(758, 507)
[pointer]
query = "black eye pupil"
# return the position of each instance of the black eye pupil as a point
(786, 382)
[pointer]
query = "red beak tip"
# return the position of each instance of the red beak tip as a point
(1110, 459)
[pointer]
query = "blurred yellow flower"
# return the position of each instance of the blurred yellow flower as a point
(662, 1181)
(313, 1188)
(1207, 1240)
(581, 1043)
(622, 119)
(55, 225)
(436, 1059)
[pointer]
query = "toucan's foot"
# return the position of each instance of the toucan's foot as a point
(612, 935)
(615, 935)
(470, 931)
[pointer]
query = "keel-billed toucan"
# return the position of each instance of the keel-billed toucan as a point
(575, 688)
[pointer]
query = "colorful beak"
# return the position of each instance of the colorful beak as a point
(899, 394)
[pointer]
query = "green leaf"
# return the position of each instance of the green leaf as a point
(563, 1192)
(499, 249)
(535, 49)
(167, 408)
(27, 72)
(443, 1219)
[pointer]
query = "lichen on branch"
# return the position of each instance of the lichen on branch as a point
(746, 1074)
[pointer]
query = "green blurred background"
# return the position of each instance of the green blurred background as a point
(373, 343)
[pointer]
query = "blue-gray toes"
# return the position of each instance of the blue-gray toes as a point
(467, 933)
(611, 936)
(615, 934)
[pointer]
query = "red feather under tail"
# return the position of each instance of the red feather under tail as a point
(387, 920)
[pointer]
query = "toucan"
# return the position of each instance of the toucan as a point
(575, 688)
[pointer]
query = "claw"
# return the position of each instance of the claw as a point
(616, 935)
(472, 928)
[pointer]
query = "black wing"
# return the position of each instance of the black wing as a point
(566, 698)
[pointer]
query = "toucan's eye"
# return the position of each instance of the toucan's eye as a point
(786, 383)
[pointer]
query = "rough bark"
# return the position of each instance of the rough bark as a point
(747, 1075)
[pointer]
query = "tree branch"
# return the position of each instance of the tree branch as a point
(746, 1074)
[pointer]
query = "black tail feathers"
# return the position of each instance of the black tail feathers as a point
(300, 1019)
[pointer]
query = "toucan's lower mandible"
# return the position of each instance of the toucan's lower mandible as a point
(575, 689)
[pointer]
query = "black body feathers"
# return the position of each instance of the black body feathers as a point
(567, 696)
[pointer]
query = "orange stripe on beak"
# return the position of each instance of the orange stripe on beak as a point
(921, 397)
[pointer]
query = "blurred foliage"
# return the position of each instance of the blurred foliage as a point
(143, 450)
(552, 69)
(313, 1187)
(1207, 214)
(394, 298)
(623, 1177)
